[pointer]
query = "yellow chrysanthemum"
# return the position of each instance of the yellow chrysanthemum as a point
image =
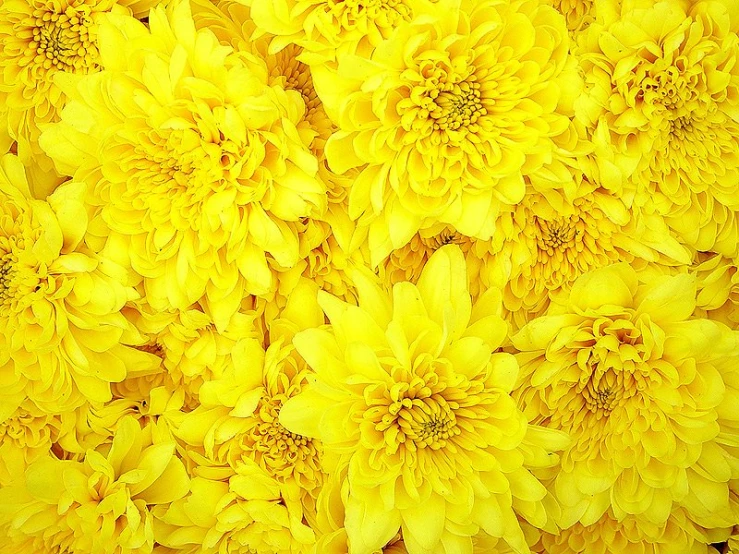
(662, 107)
(578, 13)
(608, 535)
(444, 116)
(244, 515)
(237, 423)
(232, 23)
(191, 349)
(327, 28)
(327, 262)
(199, 182)
(38, 39)
(621, 365)
(100, 505)
(410, 400)
(25, 436)
(63, 339)
(542, 247)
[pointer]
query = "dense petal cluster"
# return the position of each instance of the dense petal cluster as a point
(411, 400)
(661, 105)
(445, 115)
(215, 133)
(63, 339)
(369, 276)
(637, 382)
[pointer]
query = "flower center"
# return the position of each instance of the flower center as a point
(63, 40)
(281, 452)
(417, 416)
(457, 105)
(297, 77)
(557, 234)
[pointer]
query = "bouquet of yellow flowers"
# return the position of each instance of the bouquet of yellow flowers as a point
(369, 276)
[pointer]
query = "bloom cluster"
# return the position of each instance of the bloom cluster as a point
(369, 276)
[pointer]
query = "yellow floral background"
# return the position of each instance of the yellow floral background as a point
(369, 276)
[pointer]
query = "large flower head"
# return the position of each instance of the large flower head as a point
(63, 339)
(662, 88)
(411, 402)
(198, 177)
(638, 383)
(101, 504)
(445, 114)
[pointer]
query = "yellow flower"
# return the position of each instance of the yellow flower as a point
(200, 184)
(242, 515)
(191, 349)
(232, 23)
(409, 399)
(662, 108)
(327, 263)
(326, 28)
(444, 116)
(38, 39)
(63, 339)
(638, 383)
(545, 242)
(237, 423)
(677, 536)
(718, 287)
(25, 436)
(100, 505)
(578, 13)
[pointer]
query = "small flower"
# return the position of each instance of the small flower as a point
(242, 515)
(25, 436)
(638, 383)
(101, 504)
(63, 339)
(542, 247)
(327, 27)
(410, 401)
(237, 423)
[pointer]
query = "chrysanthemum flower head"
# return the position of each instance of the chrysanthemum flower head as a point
(609, 535)
(233, 24)
(621, 365)
(101, 504)
(38, 39)
(25, 436)
(191, 349)
(444, 115)
(244, 514)
(546, 242)
(326, 28)
(662, 90)
(196, 163)
(237, 423)
(410, 400)
(63, 339)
